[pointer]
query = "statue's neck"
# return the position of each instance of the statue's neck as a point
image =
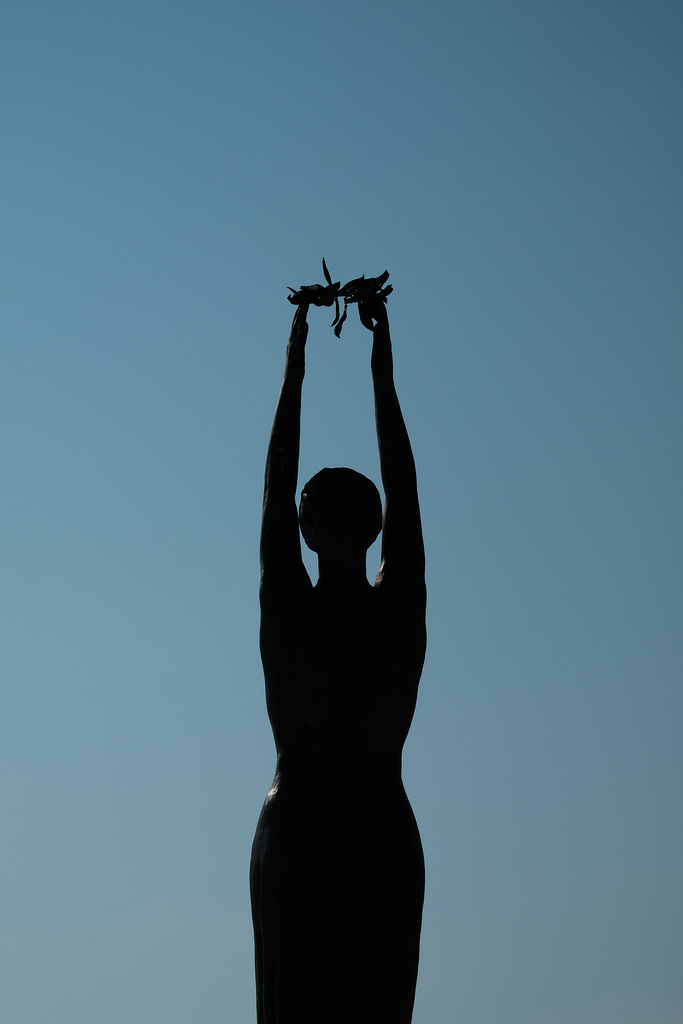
(342, 572)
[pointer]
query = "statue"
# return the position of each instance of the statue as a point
(337, 871)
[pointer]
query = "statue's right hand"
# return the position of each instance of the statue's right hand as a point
(372, 309)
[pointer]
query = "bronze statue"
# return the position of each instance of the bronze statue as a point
(337, 872)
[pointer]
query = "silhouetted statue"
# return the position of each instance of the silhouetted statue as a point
(337, 872)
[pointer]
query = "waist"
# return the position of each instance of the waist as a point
(320, 776)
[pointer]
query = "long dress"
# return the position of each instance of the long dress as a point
(337, 871)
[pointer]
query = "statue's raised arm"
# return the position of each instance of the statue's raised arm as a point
(281, 562)
(403, 557)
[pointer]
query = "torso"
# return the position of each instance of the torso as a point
(342, 669)
(337, 871)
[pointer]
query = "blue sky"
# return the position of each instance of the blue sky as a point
(168, 170)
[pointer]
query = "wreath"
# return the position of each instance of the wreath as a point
(359, 290)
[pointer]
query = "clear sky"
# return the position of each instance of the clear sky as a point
(168, 169)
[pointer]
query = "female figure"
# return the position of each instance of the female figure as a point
(337, 872)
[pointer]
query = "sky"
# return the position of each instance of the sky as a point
(168, 170)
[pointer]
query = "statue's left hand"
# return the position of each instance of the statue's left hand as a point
(299, 332)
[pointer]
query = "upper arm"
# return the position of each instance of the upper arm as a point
(403, 556)
(281, 562)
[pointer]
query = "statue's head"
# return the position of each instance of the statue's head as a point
(340, 512)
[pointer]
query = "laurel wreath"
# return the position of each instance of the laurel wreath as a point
(359, 290)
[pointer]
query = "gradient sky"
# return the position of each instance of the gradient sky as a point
(168, 170)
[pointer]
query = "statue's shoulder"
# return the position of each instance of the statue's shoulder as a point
(283, 587)
(402, 591)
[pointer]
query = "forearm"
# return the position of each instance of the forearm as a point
(282, 461)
